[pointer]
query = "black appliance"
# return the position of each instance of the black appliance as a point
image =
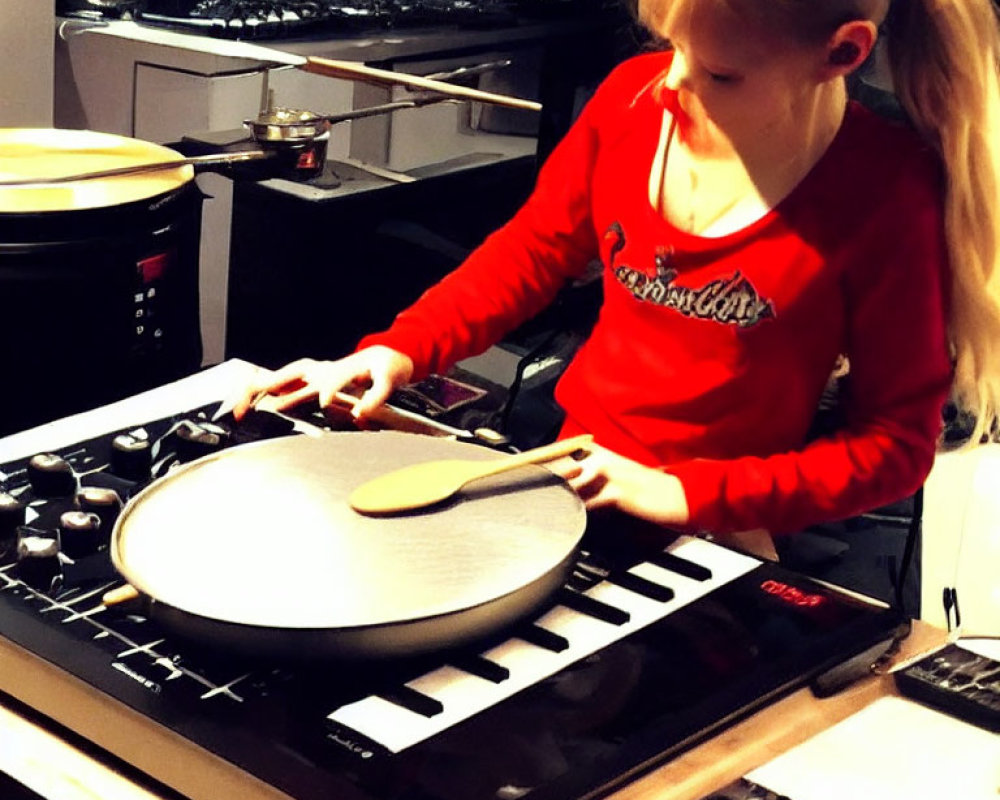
(680, 638)
(97, 304)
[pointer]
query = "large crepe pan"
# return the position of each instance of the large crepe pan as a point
(39, 154)
(255, 550)
(51, 169)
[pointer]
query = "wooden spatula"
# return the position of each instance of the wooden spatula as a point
(424, 484)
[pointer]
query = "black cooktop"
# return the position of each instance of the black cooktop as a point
(287, 19)
(715, 644)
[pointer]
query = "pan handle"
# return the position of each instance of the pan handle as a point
(537, 455)
(123, 594)
(156, 166)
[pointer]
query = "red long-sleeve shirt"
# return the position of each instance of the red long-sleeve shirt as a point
(710, 354)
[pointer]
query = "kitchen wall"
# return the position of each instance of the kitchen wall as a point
(27, 31)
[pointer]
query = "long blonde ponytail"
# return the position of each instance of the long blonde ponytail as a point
(945, 60)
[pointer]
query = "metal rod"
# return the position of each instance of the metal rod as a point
(465, 72)
(135, 169)
(359, 113)
(266, 92)
(384, 108)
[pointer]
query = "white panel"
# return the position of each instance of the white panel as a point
(961, 538)
(892, 750)
(435, 133)
(94, 82)
(170, 103)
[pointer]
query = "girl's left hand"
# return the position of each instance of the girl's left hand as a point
(607, 480)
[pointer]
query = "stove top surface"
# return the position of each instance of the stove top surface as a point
(649, 648)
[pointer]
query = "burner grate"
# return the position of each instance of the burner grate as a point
(276, 19)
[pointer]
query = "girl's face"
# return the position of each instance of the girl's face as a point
(731, 84)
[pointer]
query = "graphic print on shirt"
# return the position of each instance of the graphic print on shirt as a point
(730, 301)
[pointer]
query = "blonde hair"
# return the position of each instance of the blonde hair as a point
(809, 20)
(945, 62)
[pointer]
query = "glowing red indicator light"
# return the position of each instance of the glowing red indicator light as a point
(792, 595)
(153, 268)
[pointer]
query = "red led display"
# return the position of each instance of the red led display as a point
(153, 268)
(793, 595)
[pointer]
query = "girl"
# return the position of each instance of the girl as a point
(754, 226)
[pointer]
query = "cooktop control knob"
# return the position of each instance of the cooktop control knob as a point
(131, 457)
(51, 475)
(105, 503)
(12, 516)
(80, 533)
(38, 562)
(197, 439)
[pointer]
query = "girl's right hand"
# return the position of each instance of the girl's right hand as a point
(377, 370)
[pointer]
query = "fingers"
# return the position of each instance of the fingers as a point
(248, 397)
(566, 467)
(373, 398)
(288, 379)
(380, 369)
(282, 401)
(336, 380)
(593, 486)
(384, 370)
(246, 401)
(584, 477)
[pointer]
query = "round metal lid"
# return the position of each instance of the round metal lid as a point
(288, 125)
(262, 534)
(45, 153)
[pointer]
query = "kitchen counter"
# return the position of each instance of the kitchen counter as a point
(57, 769)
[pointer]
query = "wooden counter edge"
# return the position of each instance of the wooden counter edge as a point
(690, 776)
(771, 731)
(112, 726)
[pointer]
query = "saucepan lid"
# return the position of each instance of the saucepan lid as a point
(287, 125)
(262, 535)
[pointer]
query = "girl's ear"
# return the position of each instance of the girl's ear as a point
(848, 48)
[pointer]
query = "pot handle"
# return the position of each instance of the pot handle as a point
(221, 159)
(123, 594)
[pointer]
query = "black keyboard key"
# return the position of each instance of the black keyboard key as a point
(540, 637)
(482, 668)
(412, 700)
(592, 607)
(682, 566)
(639, 585)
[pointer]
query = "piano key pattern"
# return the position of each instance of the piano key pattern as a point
(573, 629)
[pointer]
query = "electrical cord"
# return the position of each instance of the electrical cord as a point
(909, 548)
